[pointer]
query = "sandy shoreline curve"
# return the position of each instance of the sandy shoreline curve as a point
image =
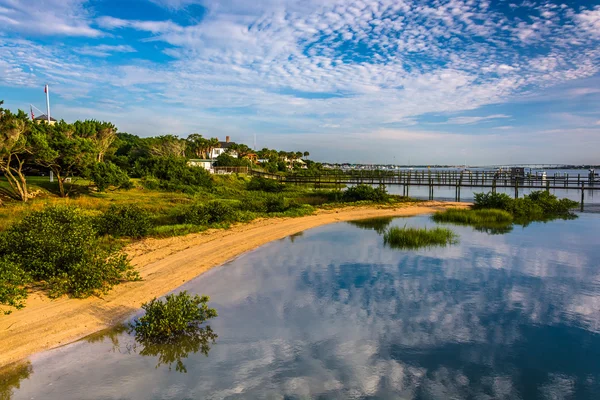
(164, 264)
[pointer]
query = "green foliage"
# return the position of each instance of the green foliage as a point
(125, 220)
(106, 174)
(173, 174)
(226, 160)
(276, 204)
(213, 212)
(12, 284)
(59, 247)
(265, 185)
(58, 148)
(415, 238)
(499, 201)
(365, 192)
(177, 316)
(539, 205)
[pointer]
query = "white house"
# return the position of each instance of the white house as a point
(222, 148)
(206, 164)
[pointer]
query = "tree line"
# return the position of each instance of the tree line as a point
(97, 151)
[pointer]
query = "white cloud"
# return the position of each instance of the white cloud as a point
(473, 120)
(104, 50)
(48, 17)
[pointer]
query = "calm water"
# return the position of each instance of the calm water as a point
(333, 314)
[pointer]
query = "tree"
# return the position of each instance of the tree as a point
(212, 144)
(306, 154)
(102, 134)
(226, 160)
(58, 148)
(197, 145)
(106, 174)
(166, 145)
(14, 149)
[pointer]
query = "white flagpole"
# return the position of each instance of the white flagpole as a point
(47, 103)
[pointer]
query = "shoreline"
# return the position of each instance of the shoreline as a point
(164, 265)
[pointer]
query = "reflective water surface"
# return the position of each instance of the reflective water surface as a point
(333, 314)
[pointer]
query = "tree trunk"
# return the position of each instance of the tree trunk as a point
(61, 184)
(17, 183)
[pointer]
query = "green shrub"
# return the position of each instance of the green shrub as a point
(499, 201)
(172, 173)
(219, 212)
(414, 238)
(257, 205)
(276, 204)
(177, 316)
(12, 284)
(365, 192)
(59, 248)
(125, 220)
(265, 185)
(538, 205)
(150, 183)
(213, 212)
(106, 174)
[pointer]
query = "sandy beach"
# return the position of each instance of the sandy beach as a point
(164, 265)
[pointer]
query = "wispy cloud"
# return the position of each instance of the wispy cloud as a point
(50, 17)
(104, 50)
(473, 120)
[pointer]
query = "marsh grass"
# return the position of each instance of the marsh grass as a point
(484, 217)
(410, 238)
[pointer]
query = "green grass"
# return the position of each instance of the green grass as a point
(473, 217)
(414, 238)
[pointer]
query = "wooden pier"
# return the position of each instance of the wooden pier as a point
(434, 178)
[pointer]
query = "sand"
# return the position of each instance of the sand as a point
(164, 265)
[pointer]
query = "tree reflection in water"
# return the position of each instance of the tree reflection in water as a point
(11, 377)
(379, 225)
(168, 353)
(176, 350)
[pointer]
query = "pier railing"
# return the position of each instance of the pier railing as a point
(456, 179)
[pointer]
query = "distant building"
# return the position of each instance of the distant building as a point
(44, 118)
(222, 148)
(206, 164)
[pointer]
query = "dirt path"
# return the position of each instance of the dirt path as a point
(164, 265)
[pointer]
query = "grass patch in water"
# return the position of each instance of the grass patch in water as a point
(474, 217)
(415, 238)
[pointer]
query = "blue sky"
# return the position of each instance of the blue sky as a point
(419, 81)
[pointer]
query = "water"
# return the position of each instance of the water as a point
(333, 314)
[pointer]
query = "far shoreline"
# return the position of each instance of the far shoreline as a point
(165, 265)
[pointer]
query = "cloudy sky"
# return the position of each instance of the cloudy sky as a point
(402, 81)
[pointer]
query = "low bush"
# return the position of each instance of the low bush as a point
(213, 212)
(177, 316)
(265, 185)
(125, 220)
(172, 173)
(12, 284)
(499, 201)
(539, 205)
(275, 204)
(414, 238)
(59, 248)
(107, 174)
(365, 192)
